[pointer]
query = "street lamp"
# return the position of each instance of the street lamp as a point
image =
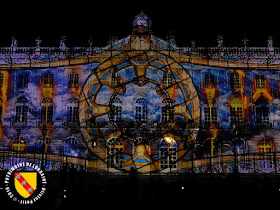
(234, 139)
(44, 134)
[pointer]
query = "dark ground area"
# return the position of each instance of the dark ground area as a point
(78, 190)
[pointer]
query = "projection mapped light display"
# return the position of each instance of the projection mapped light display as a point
(135, 100)
(141, 102)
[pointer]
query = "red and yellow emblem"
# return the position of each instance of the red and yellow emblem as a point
(25, 183)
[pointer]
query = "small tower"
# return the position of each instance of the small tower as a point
(62, 45)
(14, 43)
(270, 45)
(38, 47)
(141, 24)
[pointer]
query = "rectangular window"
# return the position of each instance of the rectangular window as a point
(236, 115)
(47, 80)
(72, 114)
(138, 113)
(117, 113)
(167, 114)
(260, 81)
(73, 80)
(116, 79)
(210, 115)
(115, 156)
(168, 158)
(141, 113)
(167, 79)
(262, 115)
(21, 113)
(235, 81)
(209, 81)
(22, 80)
(46, 114)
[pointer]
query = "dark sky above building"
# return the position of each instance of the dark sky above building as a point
(198, 20)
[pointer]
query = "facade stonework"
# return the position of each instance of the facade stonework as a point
(141, 102)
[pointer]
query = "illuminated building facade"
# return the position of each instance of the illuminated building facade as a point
(141, 102)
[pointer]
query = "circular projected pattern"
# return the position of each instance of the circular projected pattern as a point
(140, 98)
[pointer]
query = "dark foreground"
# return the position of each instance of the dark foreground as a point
(78, 190)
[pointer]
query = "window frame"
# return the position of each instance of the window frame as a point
(210, 118)
(47, 79)
(21, 109)
(47, 110)
(260, 81)
(18, 142)
(262, 111)
(114, 153)
(141, 110)
(72, 110)
(22, 80)
(236, 111)
(167, 154)
(209, 81)
(117, 109)
(73, 80)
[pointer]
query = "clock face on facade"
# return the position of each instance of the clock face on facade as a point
(135, 101)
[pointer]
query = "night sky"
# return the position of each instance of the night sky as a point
(187, 20)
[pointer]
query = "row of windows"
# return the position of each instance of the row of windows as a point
(116, 79)
(114, 152)
(261, 109)
(47, 111)
(47, 80)
(261, 112)
(19, 143)
(73, 80)
(168, 154)
(141, 110)
(235, 81)
(72, 112)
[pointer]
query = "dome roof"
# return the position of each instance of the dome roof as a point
(142, 20)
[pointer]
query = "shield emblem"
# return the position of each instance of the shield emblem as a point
(25, 183)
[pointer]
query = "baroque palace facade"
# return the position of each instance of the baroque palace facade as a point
(141, 102)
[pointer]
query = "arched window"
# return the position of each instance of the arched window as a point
(236, 111)
(18, 144)
(115, 153)
(141, 110)
(265, 145)
(262, 111)
(168, 154)
(72, 112)
(21, 109)
(117, 109)
(70, 146)
(46, 110)
(167, 111)
(43, 144)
